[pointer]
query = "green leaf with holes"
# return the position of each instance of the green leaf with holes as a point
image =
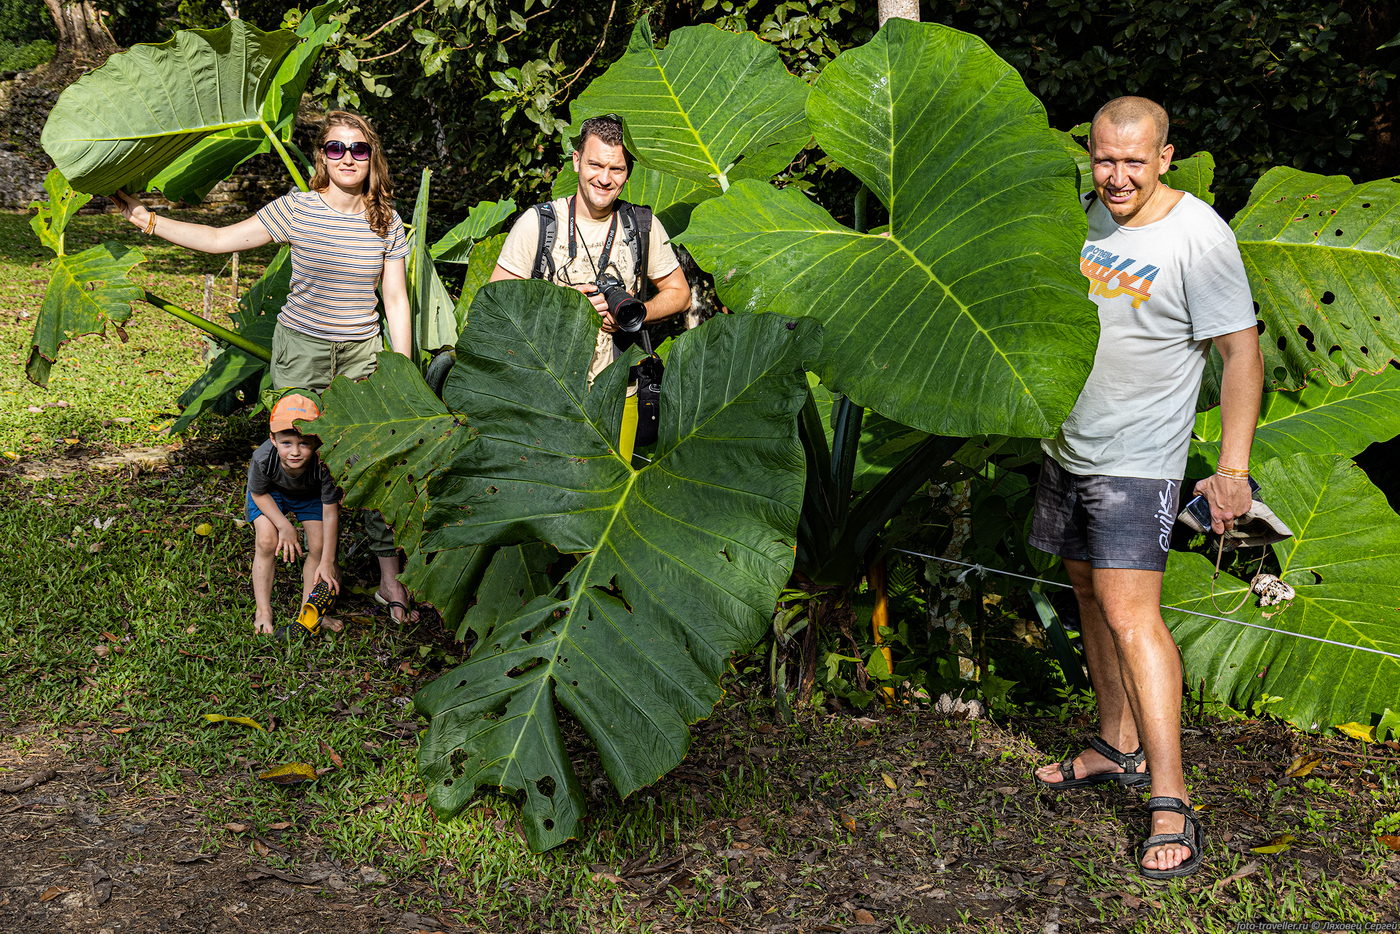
(1195, 174)
(969, 315)
(679, 560)
(1321, 419)
(1344, 563)
(385, 437)
(1323, 257)
(121, 124)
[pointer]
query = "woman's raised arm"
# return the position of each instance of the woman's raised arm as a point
(244, 235)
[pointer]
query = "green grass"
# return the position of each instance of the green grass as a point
(122, 626)
(102, 390)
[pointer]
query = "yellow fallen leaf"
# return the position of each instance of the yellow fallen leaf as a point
(1390, 840)
(1357, 731)
(204, 528)
(290, 774)
(1302, 765)
(246, 721)
(889, 782)
(12, 455)
(1283, 841)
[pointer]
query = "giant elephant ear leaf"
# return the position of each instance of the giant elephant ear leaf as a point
(1344, 563)
(969, 315)
(435, 324)
(120, 125)
(711, 107)
(1320, 419)
(191, 175)
(679, 562)
(1323, 257)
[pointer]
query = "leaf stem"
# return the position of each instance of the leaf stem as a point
(297, 177)
(208, 327)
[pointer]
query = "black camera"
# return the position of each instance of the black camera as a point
(628, 313)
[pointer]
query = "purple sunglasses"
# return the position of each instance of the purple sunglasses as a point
(335, 150)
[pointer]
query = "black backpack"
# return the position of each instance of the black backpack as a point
(636, 229)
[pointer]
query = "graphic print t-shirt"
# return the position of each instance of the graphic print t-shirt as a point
(337, 260)
(1163, 291)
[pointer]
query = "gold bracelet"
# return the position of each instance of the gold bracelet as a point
(1232, 473)
(151, 224)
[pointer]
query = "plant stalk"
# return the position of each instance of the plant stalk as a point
(297, 177)
(217, 331)
(880, 617)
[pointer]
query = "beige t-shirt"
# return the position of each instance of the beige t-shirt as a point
(518, 257)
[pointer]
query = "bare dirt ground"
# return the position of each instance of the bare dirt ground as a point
(906, 817)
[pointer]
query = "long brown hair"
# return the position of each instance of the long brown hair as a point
(379, 188)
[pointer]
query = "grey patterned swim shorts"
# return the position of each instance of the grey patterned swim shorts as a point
(1111, 522)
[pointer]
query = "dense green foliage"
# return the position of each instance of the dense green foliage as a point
(24, 21)
(24, 56)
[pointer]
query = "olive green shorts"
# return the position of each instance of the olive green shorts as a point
(300, 361)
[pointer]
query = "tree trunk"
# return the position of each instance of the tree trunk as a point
(904, 9)
(81, 34)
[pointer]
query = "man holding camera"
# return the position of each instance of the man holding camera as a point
(1166, 274)
(592, 242)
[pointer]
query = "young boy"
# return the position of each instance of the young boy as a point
(286, 478)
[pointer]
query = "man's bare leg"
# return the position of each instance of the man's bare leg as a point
(1116, 725)
(1150, 672)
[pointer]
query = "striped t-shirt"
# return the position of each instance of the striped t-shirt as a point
(336, 263)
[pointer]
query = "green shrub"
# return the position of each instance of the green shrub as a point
(23, 21)
(22, 57)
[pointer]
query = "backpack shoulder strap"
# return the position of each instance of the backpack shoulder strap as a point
(549, 232)
(637, 218)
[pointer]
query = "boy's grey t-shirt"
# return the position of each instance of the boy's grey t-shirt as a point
(266, 473)
(1163, 290)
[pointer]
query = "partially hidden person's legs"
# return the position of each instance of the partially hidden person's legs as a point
(264, 566)
(357, 360)
(1150, 666)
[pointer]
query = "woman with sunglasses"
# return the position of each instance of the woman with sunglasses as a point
(345, 239)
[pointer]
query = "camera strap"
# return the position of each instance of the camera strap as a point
(602, 264)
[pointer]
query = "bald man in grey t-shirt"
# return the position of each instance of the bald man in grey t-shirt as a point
(1166, 274)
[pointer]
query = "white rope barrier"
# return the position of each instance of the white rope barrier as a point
(983, 569)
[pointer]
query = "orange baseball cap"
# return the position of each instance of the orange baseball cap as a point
(288, 409)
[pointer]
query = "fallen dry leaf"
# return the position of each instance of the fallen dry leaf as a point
(890, 784)
(863, 917)
(245, 721)
(122, 729)
(51, 893)
(332, 754)
(1282, 842)
(204, 529)
(1248, 869)
(848, 822)
(235, 827)
(1302, 765)
(1358, 731)
(290, 774)
(1391, 840)
(280, 825)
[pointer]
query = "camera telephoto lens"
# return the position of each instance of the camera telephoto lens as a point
(627, 312)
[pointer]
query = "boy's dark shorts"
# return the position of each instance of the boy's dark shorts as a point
(307, 510)
(1110, 522)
